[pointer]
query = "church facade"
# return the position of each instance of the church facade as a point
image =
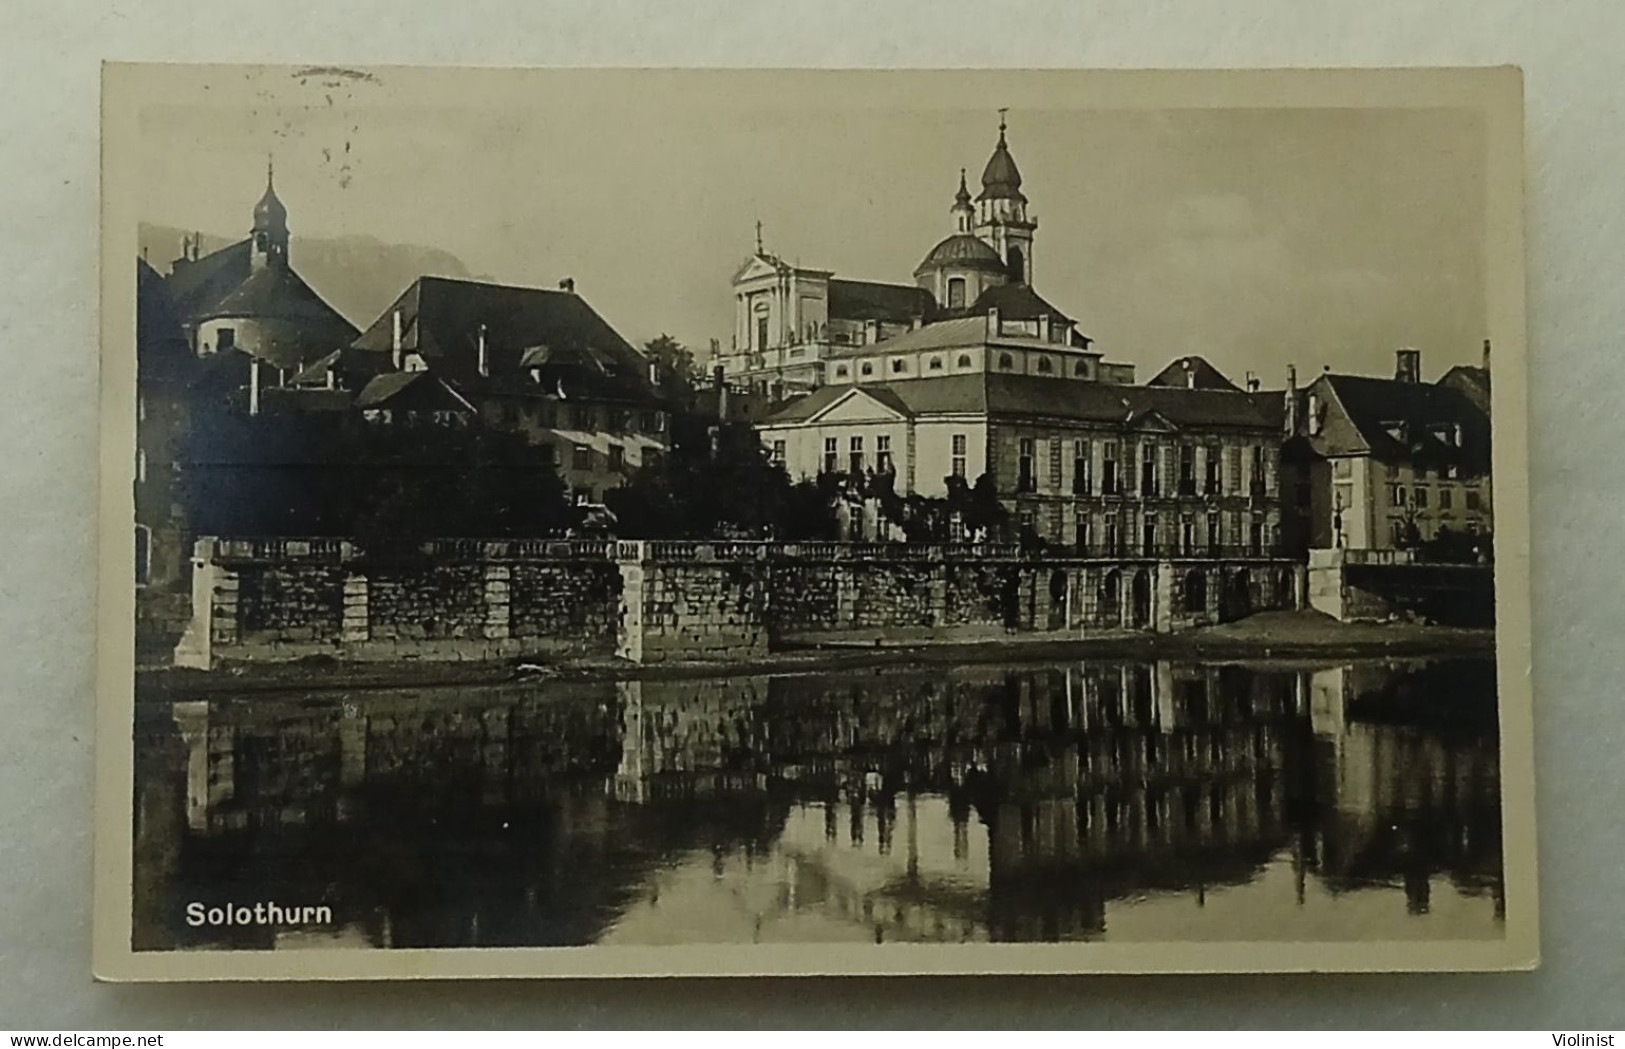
(798, 328)
(986, 379)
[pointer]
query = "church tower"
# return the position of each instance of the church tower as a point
(964, 215)
(1001, 216)
(268, 241)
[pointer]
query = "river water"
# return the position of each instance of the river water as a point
(1037, 802)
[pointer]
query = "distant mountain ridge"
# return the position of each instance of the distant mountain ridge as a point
(358, 275)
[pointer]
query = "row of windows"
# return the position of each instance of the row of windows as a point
(1006, 363)
(856, 461)
(1163, 468)
(1399, 494)
(1186, 533)
(583, 457)
(582, 417)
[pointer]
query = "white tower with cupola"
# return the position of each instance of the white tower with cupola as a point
(1001, 212)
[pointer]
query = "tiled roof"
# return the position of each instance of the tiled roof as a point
(410, 391)
(864, 300)
(1017, 302)
(960, 331)
(1040, 397)
(276, 292)
(1194, 372)
(197, 284)
(1418, 411)
(441, 319)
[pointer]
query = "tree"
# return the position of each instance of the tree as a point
(721, 488)
(387, 485)
(678, 374)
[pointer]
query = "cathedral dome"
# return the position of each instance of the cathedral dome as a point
(962, 251)
(1000, 179)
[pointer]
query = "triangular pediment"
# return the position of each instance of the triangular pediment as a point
(754, 268)
(857, 405)
(1152, 421)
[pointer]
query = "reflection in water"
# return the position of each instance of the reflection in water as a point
(1040, 802)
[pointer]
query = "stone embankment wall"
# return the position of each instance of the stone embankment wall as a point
(1379, 585)
(652, 602)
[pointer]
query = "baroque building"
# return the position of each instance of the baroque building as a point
(798, 328)
(247, 304)
(1389, 463)
(989, 381)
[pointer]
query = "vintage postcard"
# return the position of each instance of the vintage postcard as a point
(693, 522)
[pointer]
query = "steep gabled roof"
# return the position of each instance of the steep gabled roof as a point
(865, 300)
(1404, 421)
(1193, 373)
(442, 318)
(197, 284)
(411, 392)
(281, 294)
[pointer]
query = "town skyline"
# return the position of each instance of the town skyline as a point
(1256, 239)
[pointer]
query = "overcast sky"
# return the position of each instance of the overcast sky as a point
(1255, 237)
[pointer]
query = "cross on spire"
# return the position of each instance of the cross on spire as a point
(270, 170)
(758, 236)
(1002, 111)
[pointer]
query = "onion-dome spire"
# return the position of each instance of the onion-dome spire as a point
(962, 198)
(1000, 179)
(269, 214)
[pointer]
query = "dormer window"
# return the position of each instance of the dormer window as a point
(842, 371)
(867, 368)
(1045, 366)
(1395, 430)
(1081, 369)
(1006, 362)
(964, 360)
(936, 364)
(898, 365)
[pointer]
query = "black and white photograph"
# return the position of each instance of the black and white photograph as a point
(638, 522)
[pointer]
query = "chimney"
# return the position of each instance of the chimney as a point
(397, 354)
(1252, 382)
(1291, 424)
(253, 386)
(485, 360)
(654, 373)
(568, 284)
(197, 244)
(1486, 355)
(1408, 365)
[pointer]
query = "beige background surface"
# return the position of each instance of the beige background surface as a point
(48, 241)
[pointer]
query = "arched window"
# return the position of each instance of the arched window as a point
(1045, 365)
(867, 368)
(964, 360)
(898, 365)
(936, 364)
(1006, 362)
(1081, 369)
(841, 371)
(956, 292)
(1018, 265)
